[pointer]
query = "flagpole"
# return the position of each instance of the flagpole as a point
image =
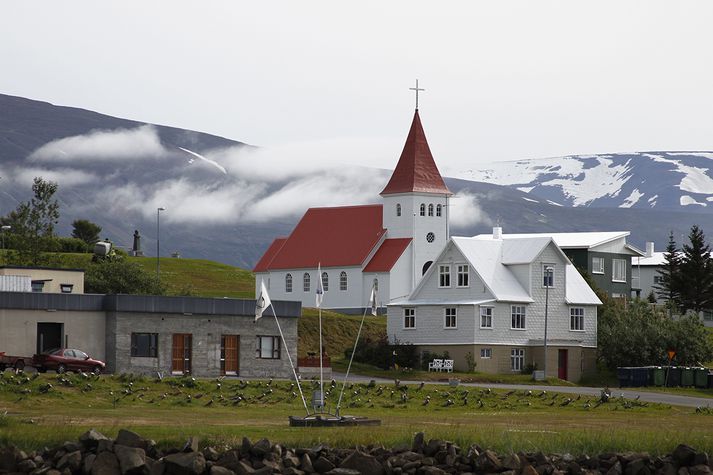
(287, 350)
(321, 353)
(349, 367)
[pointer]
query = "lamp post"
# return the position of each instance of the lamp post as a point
(548, 278)
(5, 228)
(158, 247)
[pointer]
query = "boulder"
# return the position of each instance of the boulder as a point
(322, 465)
(191, 445)
(71, 460)
(261, 448)
(185, 463)
(106, 464)
(683, 455)
(306, 464)
(245, 469)
(132, 460)
(129, 439)
(363, 463)
(418, 442)
(218, 470)
(87, 464)
(90, 439)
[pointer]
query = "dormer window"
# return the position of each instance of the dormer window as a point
(430, 209)
(423, 209)
(398, 209)
(438, 210)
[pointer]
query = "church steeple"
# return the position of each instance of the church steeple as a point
(416, 170)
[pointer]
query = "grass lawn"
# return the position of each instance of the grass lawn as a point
(171, 410)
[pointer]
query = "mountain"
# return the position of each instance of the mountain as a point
(226, 201)
(672, 181)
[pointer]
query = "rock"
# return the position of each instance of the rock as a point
(322, 465)
(344, 471)
(245, 469)
(701, 458)
(191, 445)
(293, 471)
(290, 460)
(245, 446)
(218, 470)
(71, 460)
(306, 464)
(488, 462)
(87, 464)
(261, 448)
(434, 446)
(418, 443)
(635, 467)
(528, 470)
(90, 439)
(615, 469)
(8, 459)
(511, 462)
(132, 460)
(229, 460)
(363, 463)
(106, 464)
(683, 455)
(105, 445)
(699, 470)
(185, 463)
(129, 438)
(26, 466)
(211, 454)
(71, 447)
(158, 468)
(432, 471)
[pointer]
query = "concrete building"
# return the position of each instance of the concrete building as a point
(41, 279)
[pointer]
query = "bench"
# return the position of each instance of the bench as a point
(435, 365)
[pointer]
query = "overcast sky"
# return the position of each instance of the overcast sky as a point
(504, 80)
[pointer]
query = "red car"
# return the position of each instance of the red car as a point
(65, 359)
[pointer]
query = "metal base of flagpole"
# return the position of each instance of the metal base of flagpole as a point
(331, 420)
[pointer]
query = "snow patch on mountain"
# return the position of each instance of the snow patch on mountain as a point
(688, 200)
(632, 199)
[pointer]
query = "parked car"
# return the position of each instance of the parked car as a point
(66, 359)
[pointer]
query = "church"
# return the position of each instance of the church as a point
(388, 246)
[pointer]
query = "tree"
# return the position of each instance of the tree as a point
(669, 286)
(120, 276)
(696, 273)
(86, 231)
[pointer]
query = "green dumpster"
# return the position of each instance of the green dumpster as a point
(701, 377)
(659, 376)
(674, 376)
(687, 377)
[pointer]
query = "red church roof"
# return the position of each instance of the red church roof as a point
(416, 170)
(340, 236)
(387, 255)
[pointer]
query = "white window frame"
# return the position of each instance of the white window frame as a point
(325, 282)
(614, 276)
(554, 282)
(288, 283)
(486, 353)
(268, 347)
(409, 322)
(438, 211)
(595, 269)
(430, 209)
(422, 209)
(517, 359)
(306, 282)
(576, 319)
(462, 275)
(444, 274)
(517, 316)
(448, 314)
(486, 315)
(343, 281)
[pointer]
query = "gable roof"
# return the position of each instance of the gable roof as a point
(264, 263)
(387, 255)
(569, 240)
(524, 251)
(577, 290)
(656, 259)
(416, 170)
(339, 236)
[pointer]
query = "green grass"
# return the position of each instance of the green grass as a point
(338, 332)
(505, 421)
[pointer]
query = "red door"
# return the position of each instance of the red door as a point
(562, 364)
(181, 360)
(229, 351)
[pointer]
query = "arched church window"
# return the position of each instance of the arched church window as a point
(398, 209)
(376, 284)
(343, 281)
(430, 209)
(425, 267)
(306, 281)
(423, 209)
(288, 283)
(325, 281)
(438, 210)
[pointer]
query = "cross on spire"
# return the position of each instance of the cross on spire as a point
(416, 89)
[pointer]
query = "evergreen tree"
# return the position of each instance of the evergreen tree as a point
(669, 286)
(86, 231)
(696, 273)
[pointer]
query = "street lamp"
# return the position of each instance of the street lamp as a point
(548, 278)
(158, 247)
(5, 228)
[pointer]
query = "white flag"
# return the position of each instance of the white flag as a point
(320, 289)
(263, 301)
(372, 299)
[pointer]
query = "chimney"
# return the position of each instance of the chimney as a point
(497, 232)
(649, 249)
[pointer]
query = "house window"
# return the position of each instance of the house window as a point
(444, 276)
(462, 275)
(342, 280)
(438, 210)
(66, 288)
(576, 318)
(305, 282)
(517, 313)
(658, 279)
(517, 359)
(619, 270)
(144, 345)
(486, 317)
(548, 275)
(430, 209)
(268, 347)
(38, 285)
(325, 281)
(423, 209)
(398, 209)
(597, 265)
(409, 318)
(450, 315)
(486, 353)
(288, 283)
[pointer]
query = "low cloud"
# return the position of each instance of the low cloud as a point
(65, 176)
(465, 211)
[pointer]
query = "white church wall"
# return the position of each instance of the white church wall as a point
(400, 276)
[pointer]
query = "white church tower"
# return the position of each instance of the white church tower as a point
(416, 201)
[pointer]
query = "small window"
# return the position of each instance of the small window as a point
(444, 276)
(398, 209)
(517, 359)
(438, 210)
(268, 347)
(66, 288)
(518, 317)
(38, 285)
(548, 275)
(425, 267)
(325, 281)
(288, 283)
(430, 209)
(597, 265)
(618, 270)
(342, 280)
(462, 275)
(486, 353)
(658, 279)
(450, 315)
(409, 318)
(423, 209)
(486, 317)
(430, 237)
(144, 345)
(306, 282)
(576, 319)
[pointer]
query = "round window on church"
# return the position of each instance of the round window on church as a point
(430, 237)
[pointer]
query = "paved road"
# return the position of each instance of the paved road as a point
(629, 393)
